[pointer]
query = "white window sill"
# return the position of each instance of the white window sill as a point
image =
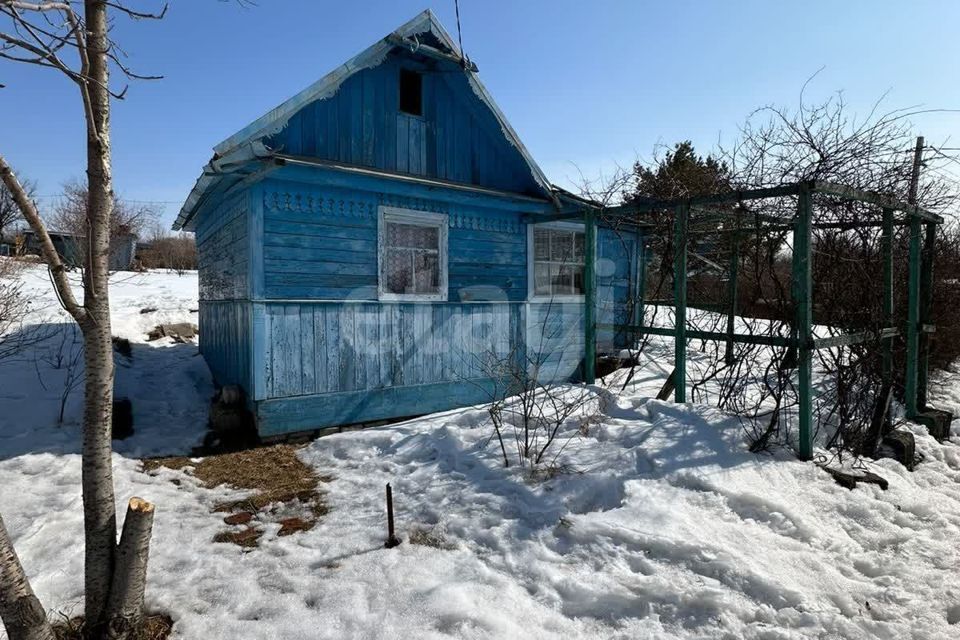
(413, 297)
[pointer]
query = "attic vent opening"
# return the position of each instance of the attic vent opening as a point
(411, 92)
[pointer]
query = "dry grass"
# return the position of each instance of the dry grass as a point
(275, 476)
(430, 537)
(155, 627)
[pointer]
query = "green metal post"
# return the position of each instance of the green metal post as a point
(590, 297)
(913, 319)
(926, 300)
(680, 301)
(886, 241)
(732, 293)
(803, 303)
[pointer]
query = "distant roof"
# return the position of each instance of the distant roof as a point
(66, 234)
(422, 31)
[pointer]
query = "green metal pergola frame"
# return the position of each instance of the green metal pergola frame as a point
(802, 338)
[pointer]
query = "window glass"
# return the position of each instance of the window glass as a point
(411, 259)
(558, 256)
(541, 244)
(561, 246)
(541, 278)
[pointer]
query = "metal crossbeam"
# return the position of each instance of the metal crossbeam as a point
(846, 339)
(696, 334)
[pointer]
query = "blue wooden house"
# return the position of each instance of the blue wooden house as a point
(368, 244)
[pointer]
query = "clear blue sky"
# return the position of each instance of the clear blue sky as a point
(583, 82)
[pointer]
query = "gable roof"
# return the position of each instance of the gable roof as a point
(423, 33)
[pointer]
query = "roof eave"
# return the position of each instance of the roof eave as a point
(276, 119)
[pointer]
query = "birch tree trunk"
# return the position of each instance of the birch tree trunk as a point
(22, 614)
(99, 510)
(89, 36)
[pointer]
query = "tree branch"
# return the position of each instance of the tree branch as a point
(58, 271)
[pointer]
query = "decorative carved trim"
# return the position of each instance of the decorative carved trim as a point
(340, 207)
(317, 203)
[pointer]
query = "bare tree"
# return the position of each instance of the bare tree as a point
(532, 405)
(9, 211)
(778, 146)
(70, 213)
(65, 354)
(74, 39)
(169, 251)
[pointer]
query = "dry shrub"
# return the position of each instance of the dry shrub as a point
(430, 537)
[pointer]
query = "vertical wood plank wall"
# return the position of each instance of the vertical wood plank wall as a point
(334, 347)
(618, 264)
(456, 138)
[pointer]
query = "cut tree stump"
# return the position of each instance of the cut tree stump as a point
(130, 572)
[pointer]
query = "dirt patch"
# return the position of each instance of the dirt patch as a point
(290, 526)
(283, 489)
(248, 537)
(156, 626)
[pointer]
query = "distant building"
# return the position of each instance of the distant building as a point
(70, 247)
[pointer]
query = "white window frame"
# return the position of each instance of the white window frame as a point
(423, 219)
(532, 296)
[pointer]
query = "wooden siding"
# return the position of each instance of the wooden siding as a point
(335, 347)
(457, 138)
(225, 340)
(223, 246)
(305, 413)
(619, 255)
(320, 243)
(555, 339)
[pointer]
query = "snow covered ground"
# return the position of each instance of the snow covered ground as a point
(658, 523)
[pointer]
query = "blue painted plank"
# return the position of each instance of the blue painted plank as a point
(295, 254)
(347, 347)
(289, 415)
(333, 340)
(415, 148)
(403, 143)
(408, 341)
(335, 231)
(369, 134)
(288, 351)
(268, 373)
(321, 243)
(279, 291)
(277, 266)
(308, 130)
(318, 313)
(355, 91)
(292, 136)
(308, 361)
